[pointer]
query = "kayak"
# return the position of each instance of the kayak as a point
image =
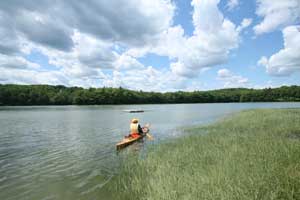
(129, 140)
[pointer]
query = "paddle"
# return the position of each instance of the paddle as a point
(148, 134)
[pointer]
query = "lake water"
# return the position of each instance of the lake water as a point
(68, 152)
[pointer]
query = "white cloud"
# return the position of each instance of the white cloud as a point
(81, 66)
(9, 42)
(127, 62)
(131, 22)
(16, 62)
(81, 72)
(40, 28)
(286, 61)
(25, 76)
(92, 52)
(88, 54)
(263, 61)
(231, 4)
(180, 69)
(214, 36)
(224, 73)
(84, 40)
(276, 14)
(78, 38)
(134, 22)
(231, 80)
(245, 23)
(78, 76)
(172, 42)
(147, 79)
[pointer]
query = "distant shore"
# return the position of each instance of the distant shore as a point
(251, 155)
(30, 95)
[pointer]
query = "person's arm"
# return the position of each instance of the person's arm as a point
(140, 129)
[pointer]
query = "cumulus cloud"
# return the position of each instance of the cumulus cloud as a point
(77, 37)
(42, 29)
(134, 22)
(231, 4)
(276, 14)
(92, 52)
(230, 79)
(286, 61)
(16, 62)
(214, 36)
(9, 40)
(79, 76)
(89, 52)
(25, 76)
(81, 72)
(224, 73)
(148, 79)
(80, 39)
(245, 23)
(33, 21)
(127, 62)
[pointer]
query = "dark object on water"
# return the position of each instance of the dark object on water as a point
(129, 140)
(136, 111)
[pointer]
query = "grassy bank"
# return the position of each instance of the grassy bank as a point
(252, 155)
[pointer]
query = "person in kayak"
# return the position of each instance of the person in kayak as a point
(135, 128)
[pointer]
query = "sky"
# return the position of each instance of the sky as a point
(151, 45)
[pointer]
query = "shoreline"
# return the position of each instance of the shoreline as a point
(250, 154)
(95, 105)
(13, 94)
(108, 105)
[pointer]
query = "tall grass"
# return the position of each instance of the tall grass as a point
(251, 155)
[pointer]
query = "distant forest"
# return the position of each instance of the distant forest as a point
(60, 95)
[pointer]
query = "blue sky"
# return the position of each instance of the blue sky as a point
(157, 45)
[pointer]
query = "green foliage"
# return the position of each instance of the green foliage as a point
(251, 155)
(61, 95)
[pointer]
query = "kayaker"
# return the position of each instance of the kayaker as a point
(135, 128)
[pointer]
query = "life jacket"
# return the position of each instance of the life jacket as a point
(134, 128)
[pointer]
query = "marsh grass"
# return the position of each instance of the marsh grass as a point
(254, 154)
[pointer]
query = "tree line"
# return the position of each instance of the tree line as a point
(11, 94)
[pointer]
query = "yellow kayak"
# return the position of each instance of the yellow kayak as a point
(129, 140)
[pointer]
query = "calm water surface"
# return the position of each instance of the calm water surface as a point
(68, 152)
